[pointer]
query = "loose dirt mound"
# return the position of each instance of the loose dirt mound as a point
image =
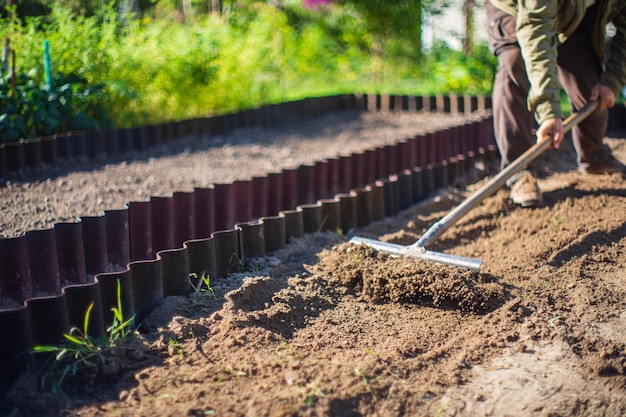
(324, 328)
(380, 278)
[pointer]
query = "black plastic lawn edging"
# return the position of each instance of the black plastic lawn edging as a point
(48, 278)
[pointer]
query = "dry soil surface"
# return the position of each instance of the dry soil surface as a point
(328, 328)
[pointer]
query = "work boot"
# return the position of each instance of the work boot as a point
(607, 165)
(525, 191)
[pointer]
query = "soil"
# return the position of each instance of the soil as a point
(328, 328)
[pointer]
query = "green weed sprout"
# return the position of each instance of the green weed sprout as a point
(203, 286)
(174, 347)
(310, 394)
(120, 329)
(83, 351)
(202, 293)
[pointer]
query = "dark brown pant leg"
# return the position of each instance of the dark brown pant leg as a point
(512, 121)
(579, 71)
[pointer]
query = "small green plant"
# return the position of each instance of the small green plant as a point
(443, 408)
(81, 351)
(310, 393)
(175, 347)
(202, 286)
(202, 293)
(364, 380)
(558, 222)
(120, 329)
(370, 352)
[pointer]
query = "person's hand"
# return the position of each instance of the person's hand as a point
(551, 127)
(604, 95)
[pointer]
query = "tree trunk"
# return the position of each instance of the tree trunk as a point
(6, 54)
(215, 7)
(468, 11)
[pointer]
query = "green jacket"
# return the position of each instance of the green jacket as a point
(542, 24)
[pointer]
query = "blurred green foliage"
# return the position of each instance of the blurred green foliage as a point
(31, 109)
(171, 63)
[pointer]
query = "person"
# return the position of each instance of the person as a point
(541, 46)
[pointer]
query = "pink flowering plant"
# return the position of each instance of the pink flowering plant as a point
(311, 4)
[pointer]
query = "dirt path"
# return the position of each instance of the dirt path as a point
(327, 328)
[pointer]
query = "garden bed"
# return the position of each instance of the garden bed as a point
(324, 327)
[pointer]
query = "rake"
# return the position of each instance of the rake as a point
(418, 249)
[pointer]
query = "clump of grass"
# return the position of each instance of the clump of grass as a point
(79, 351)
(202, 293)
(202, 287)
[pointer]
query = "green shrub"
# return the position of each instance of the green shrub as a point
(161, 72)
(30, 109)
(158, 70)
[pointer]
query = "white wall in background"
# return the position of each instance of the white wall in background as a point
(450, 25)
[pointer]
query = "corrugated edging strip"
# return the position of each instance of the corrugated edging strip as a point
(48, 278)
(95, 145)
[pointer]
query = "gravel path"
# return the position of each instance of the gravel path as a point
(38, 200)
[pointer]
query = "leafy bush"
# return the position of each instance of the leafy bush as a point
(30, 109)
(453, 71)
(257, 52)
(161, 71)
